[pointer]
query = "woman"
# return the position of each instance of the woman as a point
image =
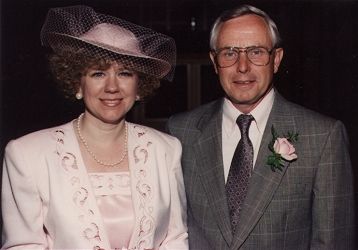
(97, 182)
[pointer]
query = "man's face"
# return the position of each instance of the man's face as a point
(244, 83)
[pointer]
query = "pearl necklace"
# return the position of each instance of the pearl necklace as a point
(84, 142)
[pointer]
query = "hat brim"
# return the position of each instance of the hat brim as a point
(159, 68)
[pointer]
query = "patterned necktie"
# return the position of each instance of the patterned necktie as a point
(240, 170)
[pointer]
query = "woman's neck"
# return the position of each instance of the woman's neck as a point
(100, 132)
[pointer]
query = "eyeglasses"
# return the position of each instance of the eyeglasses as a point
(228, 56)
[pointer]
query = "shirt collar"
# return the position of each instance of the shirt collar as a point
(261, 113)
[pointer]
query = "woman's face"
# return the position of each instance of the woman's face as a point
(110, 93)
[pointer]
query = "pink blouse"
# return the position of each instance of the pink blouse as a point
(114, 200)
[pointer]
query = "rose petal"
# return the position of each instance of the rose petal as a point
(289, 157)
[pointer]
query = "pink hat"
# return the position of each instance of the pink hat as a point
(81, 28)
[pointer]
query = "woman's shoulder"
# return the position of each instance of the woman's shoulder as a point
(149, 133)
(40, 138)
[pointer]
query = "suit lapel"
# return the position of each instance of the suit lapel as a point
(264, 181)
(208, 151)
(78, 196)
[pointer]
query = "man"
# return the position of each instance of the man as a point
(244, 190)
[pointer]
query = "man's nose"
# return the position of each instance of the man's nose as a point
(243, 62)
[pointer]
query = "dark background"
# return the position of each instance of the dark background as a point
(319, 69)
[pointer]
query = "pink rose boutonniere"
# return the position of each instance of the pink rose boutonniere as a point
(282, 149)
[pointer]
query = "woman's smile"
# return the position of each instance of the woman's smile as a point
(111, 102)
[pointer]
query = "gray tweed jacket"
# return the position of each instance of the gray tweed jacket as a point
(308, 205)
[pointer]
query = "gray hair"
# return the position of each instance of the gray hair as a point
(241, 11)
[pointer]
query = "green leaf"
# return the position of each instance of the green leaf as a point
(274, 133)
(292, 137)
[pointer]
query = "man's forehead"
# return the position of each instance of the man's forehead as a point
(247, 30)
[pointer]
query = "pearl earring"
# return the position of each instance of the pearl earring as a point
(137, 98)
(79, 96)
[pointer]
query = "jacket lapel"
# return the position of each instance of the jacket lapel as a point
(208, 151)
(141, 156)
(264, 181)
(77, 196)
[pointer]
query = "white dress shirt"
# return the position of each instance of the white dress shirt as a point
(231, 133)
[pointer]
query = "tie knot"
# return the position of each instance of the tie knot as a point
(244, 121)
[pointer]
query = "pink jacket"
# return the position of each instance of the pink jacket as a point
(48, 203)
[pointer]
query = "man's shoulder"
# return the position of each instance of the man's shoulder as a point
(193, 121)
(207, 109)
(299, 111)
(305, 120)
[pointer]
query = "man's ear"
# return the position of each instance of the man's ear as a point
(277, 59)
(212, 57)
